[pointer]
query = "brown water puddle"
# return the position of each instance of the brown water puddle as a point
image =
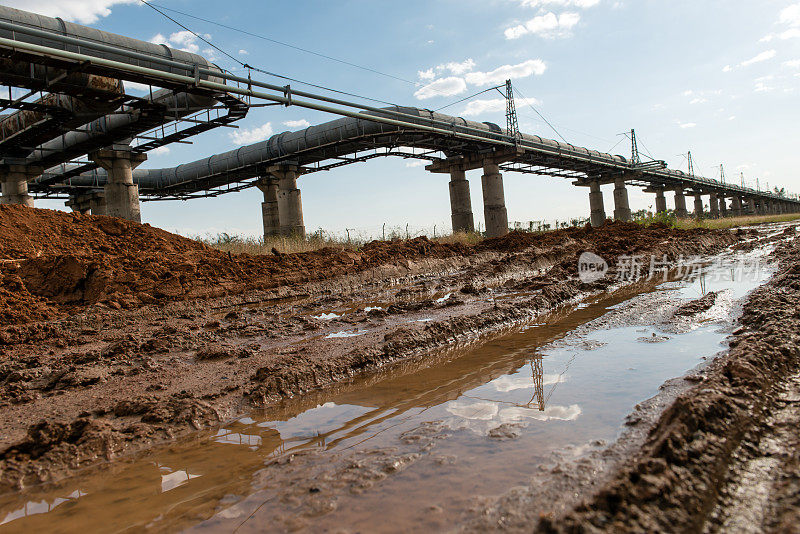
(407, 448)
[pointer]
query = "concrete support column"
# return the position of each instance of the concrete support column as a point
(714, 206)
(14, 185)
(494, 201)
(121, 194)
(597, 212)
(622, 208)
(290, 205)
(698, 205)
(736, 206)
(723, 206)
(680, 203)
(751, 206)
(94, 203)
(661, 201)
(460, 201)
(270, 214)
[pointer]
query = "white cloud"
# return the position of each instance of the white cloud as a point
(790, 15)
(457, 68)
(582, 4)
(449, 86)
(732, 117)
(763, 56)
(137, 87)
(479, 106)
(246, 136)
(505, 72)
(685, 125)
(426, 74)
(298, 124)
(727, 68)
(792, 64)
(415, 163)
(184, 40)
(549, 26)
(698, 100)
(82, 11)
(159, 151)
(243, 52)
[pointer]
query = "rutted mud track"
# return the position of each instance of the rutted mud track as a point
(724, 455)
(117, 335)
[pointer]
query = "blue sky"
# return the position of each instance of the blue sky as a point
(719, 78)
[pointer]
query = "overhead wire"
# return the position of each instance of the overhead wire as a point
(288, 45)
(540, 115)
(467, 98)
(257, 69)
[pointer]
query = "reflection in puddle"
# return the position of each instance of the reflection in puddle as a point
(326, 316)
(345, 333)
(548, 386)
(172, 480)
(41, 507)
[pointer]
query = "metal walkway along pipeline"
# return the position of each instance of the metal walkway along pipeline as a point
(79, 73)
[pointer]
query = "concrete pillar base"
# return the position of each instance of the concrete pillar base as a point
(91, 203)
(494, 201)
(736, 207)
(270, 214)
(121, 194)
(698, 206)
(661, 201)
(714, 206)
(290, 204)
(622, 209)
(460, 202)
(14, 185)
(680, 204)
(723, 206)
(597, 211)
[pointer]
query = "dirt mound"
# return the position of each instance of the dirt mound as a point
(52, 262)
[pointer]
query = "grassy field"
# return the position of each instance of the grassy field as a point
(288, 245)
(732, 222)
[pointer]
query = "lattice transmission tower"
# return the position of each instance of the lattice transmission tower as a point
(512, 124)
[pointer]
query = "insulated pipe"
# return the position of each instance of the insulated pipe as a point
(28, 128)
(616, 161)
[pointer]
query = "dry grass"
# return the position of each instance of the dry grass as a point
(732, 222)
(289, 245)
(466, 238)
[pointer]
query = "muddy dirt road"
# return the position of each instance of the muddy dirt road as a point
(117, 337)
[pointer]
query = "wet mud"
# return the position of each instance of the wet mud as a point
(92, 368)
(96, 364)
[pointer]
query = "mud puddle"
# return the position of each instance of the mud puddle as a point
(413, 446)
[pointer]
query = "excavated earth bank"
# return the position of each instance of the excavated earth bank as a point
(115, 336)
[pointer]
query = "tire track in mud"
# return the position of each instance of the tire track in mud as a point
(726, 446)
(108, 382)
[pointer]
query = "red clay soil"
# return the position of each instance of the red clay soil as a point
(53, 262)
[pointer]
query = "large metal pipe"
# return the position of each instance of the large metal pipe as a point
(49, 116)
(102, 128)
